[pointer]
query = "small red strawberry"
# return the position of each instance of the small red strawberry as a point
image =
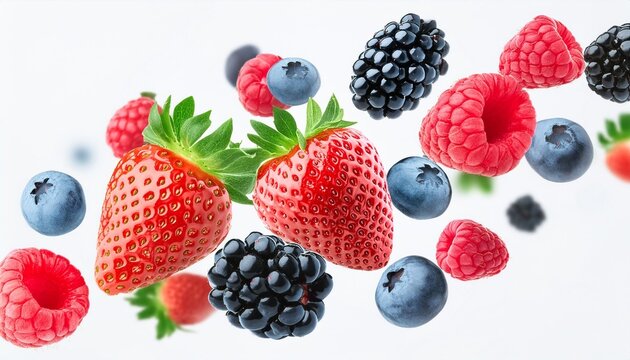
(182, 299)
(326, 189)
(124, 131)
(168, 203)
(617, 144)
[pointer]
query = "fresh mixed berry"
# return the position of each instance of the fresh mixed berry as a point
(608, 64)
(398, 67)
(269, 287)
(526, 214)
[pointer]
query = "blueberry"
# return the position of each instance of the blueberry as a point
(411, 292)
(419, 187)
(237, 59)
(561, 150)
(293, 81)
(53, 203)
(82, 155)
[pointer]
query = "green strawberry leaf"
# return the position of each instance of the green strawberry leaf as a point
(611, 129)
(183, 111)
(215, 153)
(624, 123)
(603, 141)
(313, 114)
(267, 132)
(468, 182)
(193, 127)
(285, 123)
(148, 299)
(301, 139)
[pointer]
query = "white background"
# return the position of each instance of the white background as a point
(65, 67)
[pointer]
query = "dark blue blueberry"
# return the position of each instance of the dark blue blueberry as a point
(411, 292)
(53, 203)
(561, 150)
(419, 188)
(237, 59)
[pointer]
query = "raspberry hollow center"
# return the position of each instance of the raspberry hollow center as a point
(48, 290)
(497, 117)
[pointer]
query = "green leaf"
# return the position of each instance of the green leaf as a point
(147, 313)
(265, 145)
(193, 127)
(167, 122)
(155, 123)
(285, 123)
(184, 110)
(216, 141)
(301, 139)
(271, 135)
(603, 140)
(238, 196)
(333, 112)
(611, 128)
(313, 115)
(624, 122)
(485, 184)
(224, 158)
(242, 183)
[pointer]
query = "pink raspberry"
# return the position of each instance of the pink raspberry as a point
(543, 54)
(43, 298)
(482, 125)
(469, 251)
(124, 131)
(251, 84)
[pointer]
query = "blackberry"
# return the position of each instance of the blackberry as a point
(525, 214)
(608, 64)
(398, 67)
(269, 287)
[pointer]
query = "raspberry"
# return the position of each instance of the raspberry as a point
(124, 131)
(469, 251)
(482, 125)
(252, 86)
(543, 54)
(43, 298)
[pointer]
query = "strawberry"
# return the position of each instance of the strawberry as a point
(124, 131)
(168, 203)
(179, 300)
(617, 144)
(324, 189)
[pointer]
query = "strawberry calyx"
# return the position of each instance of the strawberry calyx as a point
(148, 94)
(615, 134)
(468, 182)
(215, 154)
(148, 299)
(285, 137)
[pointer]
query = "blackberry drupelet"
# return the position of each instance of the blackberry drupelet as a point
(608, 64)
(398, 67)
(269, 287)
(525, 214)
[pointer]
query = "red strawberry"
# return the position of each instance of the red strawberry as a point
(43, 298)
(325, 190)
(543, 54)
(179, 300)
(167, 204)
(252, 86)
(124, 131)
(617, 143)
